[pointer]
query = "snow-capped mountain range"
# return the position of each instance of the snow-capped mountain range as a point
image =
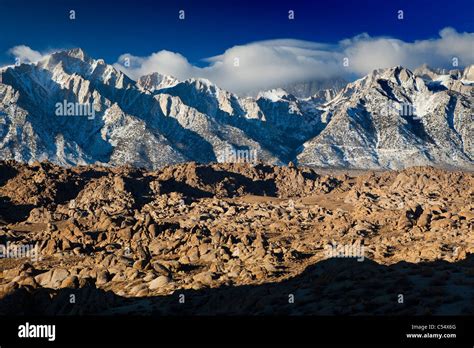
(391, 118)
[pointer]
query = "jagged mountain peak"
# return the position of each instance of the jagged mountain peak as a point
(275, 95)
(197, 84)
(76, 62)
(200, 90)
(378, 79)
(156, 81)
(76, 53)
(398, 73)
(203, 84)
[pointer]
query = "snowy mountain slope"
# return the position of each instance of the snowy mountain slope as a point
(367, 130)
(73, 77)
(277, 123)
(159, 120)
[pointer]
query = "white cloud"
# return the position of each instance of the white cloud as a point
(260, 65)
(169, 63)
(366, 53)
(271, 63)
(275, 63)
(26, 54)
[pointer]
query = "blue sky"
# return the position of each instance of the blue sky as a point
(271, 48)
(109, 28)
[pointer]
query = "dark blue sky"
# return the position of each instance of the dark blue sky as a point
(107, 29)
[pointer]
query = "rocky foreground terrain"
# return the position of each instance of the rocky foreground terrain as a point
(235, 239)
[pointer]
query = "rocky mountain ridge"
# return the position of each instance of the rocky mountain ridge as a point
(159, 120)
